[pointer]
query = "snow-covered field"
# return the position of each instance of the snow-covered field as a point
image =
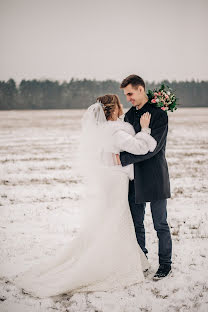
(39, 211)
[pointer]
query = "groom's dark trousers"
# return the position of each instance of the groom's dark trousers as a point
(151, 180)
(159, 216)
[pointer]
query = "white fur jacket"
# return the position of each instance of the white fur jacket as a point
(125, 139)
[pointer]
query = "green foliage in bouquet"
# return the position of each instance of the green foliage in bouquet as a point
(163, 98)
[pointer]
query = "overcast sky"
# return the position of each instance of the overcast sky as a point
(103, 39)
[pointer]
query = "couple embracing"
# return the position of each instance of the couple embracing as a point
(127, 169)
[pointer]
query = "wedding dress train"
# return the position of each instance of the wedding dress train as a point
(104, 256)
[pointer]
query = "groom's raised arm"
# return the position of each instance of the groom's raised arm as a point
(159, 131)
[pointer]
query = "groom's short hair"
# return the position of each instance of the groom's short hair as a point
(134, 80)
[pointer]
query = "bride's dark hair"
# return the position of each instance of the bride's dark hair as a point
(109, 102)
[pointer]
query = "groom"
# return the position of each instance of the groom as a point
(151, 179)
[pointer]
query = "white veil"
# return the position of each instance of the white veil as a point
(94, 116)
(94, 141)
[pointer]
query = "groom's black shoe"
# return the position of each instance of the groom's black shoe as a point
(163, 271)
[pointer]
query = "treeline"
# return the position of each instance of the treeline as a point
(47, 94)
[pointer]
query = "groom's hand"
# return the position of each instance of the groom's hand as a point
(118, 159)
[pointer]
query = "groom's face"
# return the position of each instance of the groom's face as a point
(133, 94)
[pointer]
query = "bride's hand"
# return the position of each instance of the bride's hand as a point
(145, 120)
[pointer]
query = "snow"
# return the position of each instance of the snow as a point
(40, 211)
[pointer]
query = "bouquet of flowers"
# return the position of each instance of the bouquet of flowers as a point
(163, 97)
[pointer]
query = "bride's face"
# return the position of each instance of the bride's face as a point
(120, 111)
(117, 112)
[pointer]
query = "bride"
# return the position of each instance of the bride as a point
(105, 254)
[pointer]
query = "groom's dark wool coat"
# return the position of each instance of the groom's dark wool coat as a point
(151, 177)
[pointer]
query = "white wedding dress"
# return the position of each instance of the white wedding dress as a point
(105, 255)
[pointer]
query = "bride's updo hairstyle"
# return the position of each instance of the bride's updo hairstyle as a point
(109, 103)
